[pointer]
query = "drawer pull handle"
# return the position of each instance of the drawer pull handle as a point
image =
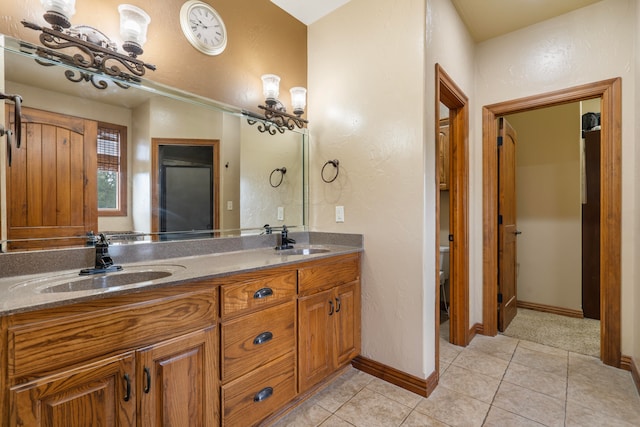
(147, 377)
(263, 394)
(331, 308)
(127, 394)
(338, 305)
(263, 338)
(263, 293)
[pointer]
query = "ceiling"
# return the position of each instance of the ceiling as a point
(491, 18)
(485, 19)
(309, 11)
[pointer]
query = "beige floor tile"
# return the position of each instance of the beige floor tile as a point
(500, 418)
(448, 351)
(417, 419)
(308, 414)
(444, 365)
(394, 392)
(499, 346)
(453, 408)
(606, 399)
(580, 416)
(534, 379)
(334, 421)
(530, 404)
(481, 363)
(342, 389)
(370, 409)
(472, 384)
(543, 348)
(543, 361)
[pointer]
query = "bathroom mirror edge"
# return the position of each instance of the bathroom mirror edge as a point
(298, 221)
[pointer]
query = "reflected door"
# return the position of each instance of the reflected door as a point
(51, 183)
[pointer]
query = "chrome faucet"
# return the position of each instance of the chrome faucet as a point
(285, 241)
(104, 263)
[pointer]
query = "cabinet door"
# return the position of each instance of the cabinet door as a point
(347, 324)
(315, 338)
(100, 394)
(177, 381)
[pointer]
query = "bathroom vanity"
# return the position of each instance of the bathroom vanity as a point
(226, 339)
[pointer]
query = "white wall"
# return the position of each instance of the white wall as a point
(366, 74)
(590, 44)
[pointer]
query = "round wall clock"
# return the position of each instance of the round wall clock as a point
(203, 27)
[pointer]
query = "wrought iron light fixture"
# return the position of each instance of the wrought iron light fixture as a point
(276, 118)
(94, 51)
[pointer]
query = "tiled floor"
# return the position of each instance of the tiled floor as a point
(495, 381)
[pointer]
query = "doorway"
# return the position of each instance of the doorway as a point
(449, 95)
(610, 178)
(185, 194)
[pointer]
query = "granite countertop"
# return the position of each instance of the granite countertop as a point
(29, 292)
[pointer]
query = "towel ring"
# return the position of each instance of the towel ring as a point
(282, 171)
(336, 164)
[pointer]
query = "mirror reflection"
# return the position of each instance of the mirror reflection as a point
(138, 162)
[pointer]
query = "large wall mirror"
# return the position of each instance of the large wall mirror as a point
(194, 167)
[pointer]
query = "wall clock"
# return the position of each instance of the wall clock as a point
(203, 27)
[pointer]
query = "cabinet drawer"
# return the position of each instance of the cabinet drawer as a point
(63, 341)
(242, 297)
(255, 396)
(328, 273)
(251, 341)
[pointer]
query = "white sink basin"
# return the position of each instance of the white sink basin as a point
(72, 282)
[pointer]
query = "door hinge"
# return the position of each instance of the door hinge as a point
(499, 298)
(499, 219)
(499, 141)
(451, 237)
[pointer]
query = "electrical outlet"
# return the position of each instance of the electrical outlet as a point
(280, 213)
(229, 205)
(339, 213)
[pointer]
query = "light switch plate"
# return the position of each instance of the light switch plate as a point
(280, 213)
(339, 213)
(229, 205)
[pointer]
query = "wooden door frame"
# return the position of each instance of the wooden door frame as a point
(155, 176)
(610, 93)
(457, 102)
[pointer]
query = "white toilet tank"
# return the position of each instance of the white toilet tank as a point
(444, 262)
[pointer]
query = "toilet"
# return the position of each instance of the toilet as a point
(444, 274)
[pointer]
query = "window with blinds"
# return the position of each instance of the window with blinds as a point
(111, 169)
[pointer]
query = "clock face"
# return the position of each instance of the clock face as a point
(203, 27)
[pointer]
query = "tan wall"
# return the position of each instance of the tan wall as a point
(522, 64)
(635, 352)
(366, 74)
(262, 38)
(548, 206)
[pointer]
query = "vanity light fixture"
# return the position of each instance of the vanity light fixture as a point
(276, 118)
(94, 51)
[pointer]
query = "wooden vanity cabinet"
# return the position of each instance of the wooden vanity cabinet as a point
(141, 359)
(328, 318)
(156, 357)
(257, 344)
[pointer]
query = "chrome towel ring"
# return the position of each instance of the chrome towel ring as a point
(336, 164)
(282, 171)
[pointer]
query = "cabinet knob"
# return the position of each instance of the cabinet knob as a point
(263, 394)
(263, 338)
(263, 293)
